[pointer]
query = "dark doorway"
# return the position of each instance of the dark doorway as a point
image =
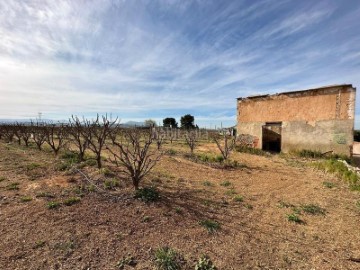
(271, 137)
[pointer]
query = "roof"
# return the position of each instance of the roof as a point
(296, 91)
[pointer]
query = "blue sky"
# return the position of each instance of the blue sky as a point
(166, 58)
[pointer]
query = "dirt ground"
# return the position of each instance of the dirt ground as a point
(101, 229)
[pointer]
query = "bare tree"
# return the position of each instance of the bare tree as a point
(39, 135)
(191, 139)
(26, 134)
(17, 132)
(55, 136)
(96, 133)
(160, 137)
(134, 154)
(78, 135)
(225, 143)
(8, 132)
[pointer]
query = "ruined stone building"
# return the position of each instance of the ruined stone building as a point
(320, 119)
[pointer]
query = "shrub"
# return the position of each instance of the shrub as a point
(308, 153)
(147, 194)
(71, 201)
(204, 263)
(106, 172)
(167, 259)
(210, 225)
(2, 178)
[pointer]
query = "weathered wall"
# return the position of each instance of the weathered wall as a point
(321, 119)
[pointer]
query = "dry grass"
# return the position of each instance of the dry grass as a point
(100, 231)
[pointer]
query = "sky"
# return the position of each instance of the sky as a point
(141, 59)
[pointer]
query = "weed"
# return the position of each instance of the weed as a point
(204, 263)
(68, 246)
(341, 170)
(128, 260)
(91, 188)
(329, 184)
(167, 259)
(178, 210)
(32, 166)
(171, 152)
(210, 158)
(251, 150)
(208, 183)
(91, 162)
(207, 202)
(39, 244)
(106, 172)
(70, 155)
(358, 204)
(25, 199)
(283, 204)
(71, 201)
(53, 205)
(230, 192)
(111, 183)
(13, 186)
(293, 217)
(147, 194)
(248, 206)
(313, 209)
(225, 184)
(146, 219)
(308, 153)
(238, 198)
(2, 178)
(210, 225)
(45, 195)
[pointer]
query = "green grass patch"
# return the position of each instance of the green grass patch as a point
(251, 150)
(207, 184)
(204, 263)
(313, 209)
(44, 195)
(26, 199)
(53, 205)
(294, 217)
(210, 225)
(13, 186)
(210, 158)
(71, 201)
(341, 170)
(225, 184)
(238, 198)
(329, 184)
(32, 166)
(167, 259)
(2, 178)
(147, 194)
(111, 183)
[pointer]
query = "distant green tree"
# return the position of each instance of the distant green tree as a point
(170, 122)
(187, 121)
(150, 123)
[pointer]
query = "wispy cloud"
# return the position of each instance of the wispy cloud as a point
(142, 59)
